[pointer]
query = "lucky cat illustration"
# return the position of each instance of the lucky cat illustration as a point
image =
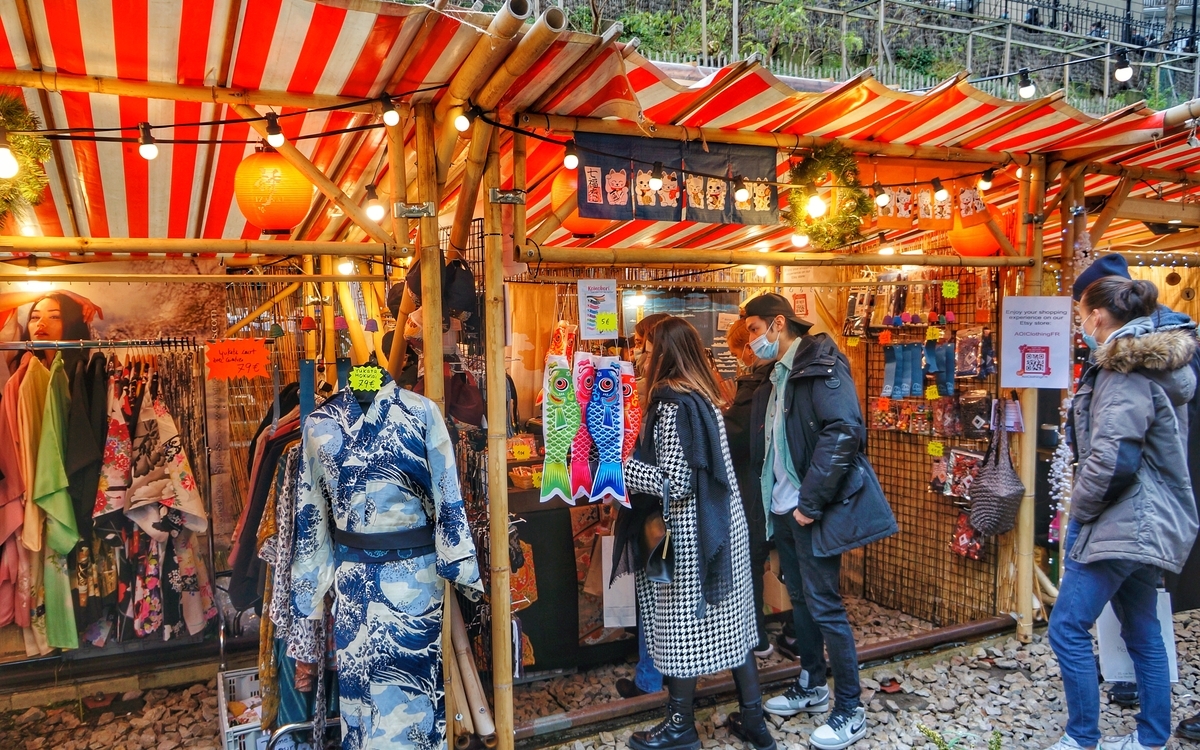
(669, 195)
(616, 186)
(762, 196)
(716, 195)
(641, 189)
(903, 199)
(695, 190)
(925, 204)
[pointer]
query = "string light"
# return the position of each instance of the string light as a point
(816, 207)
(656, 177)
(887, 250)
(1027, 90)
(8, 162)
(761, 272)
(345, 266)
(939, 191)
(799, 240)
(1020, 172)
(985, 182)
(742, 193)
(391, 117)
(275, 137)
(375, 209)
(571, 156)
(637, 299)
(31, 267)
(146, 145)
(882, 197)
(1124, 70)
(464, 120)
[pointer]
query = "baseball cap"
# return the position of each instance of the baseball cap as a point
(767, 306)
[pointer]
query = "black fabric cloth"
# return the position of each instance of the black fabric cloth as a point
(700, 436)
(87, 430)
(827, 440)
(289, 398)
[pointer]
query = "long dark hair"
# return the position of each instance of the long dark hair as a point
(679, 362)
(1124, 299)
(74, 327)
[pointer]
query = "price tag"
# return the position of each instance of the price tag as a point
(606, 322)
(852, 341)
(933, 333)
(949, 289)
(237, 358)
(521, 452)
(935, 448)
(366, 378)
(885, 337)
(931, 393)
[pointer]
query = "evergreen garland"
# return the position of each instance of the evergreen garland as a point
(842, 223)
(29, 185)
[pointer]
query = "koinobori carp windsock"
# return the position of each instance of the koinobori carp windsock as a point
(631, 409)
(582, 446)
(560, 423)
(607, 426)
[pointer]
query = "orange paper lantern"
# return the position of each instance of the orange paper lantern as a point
(272, 194)
(973, 242)
(565, 183)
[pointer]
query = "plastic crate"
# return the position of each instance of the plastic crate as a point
(236, 685)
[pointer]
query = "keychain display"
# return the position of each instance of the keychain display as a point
(961, 470)
(858, 311)
(967, 542)
(883, 414)
(968, 346)
(987, 354)
(945, 417)
(919, 420)
(937, 475)
(975, 411)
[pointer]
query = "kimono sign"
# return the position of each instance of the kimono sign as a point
(236, 358)
(598, 309)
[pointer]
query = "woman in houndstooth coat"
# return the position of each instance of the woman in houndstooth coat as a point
(703, 620)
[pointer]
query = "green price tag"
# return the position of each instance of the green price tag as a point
(933, 333)
(606, 322)
(949, 289)
(852, 341)
(935, 448)
(931, 393)
(366, 378)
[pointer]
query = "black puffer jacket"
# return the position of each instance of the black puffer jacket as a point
(827, 440)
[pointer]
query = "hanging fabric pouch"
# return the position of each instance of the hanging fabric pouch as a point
(656, 537)
(967, 542)
(997, 490)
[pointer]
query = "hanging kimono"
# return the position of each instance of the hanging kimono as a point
(12, 514)
(31, 405)
(51, 495)
(22, 594)
(112, 531)
(116, 468)
(385, 472)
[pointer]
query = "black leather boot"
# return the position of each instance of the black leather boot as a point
(1189, 728)
(678, 730)
(748, 724)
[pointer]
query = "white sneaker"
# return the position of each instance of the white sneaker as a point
(843, 729)
(1127, 742)
(799, 699)
(1066, 743)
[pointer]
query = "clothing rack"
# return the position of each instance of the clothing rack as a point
(170, 343)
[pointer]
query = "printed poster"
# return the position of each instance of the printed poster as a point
(1035, 342)
(598, 309)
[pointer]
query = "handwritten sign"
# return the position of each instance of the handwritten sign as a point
(852, 341)
(598, 309)
(935, 448)
(932, 333)
(237, 358)
(366, 378)
(885, 337)
(931, 393)
(949, 289)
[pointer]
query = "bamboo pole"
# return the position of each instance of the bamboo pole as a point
(180, 246)
(555, 220)
(64, 82)
(352, 210)
(1144, 173)
(476, 700)
(431, 261)
(782, 141)
(1029, 398)
(468, 191)
(1022, 213)
(287, 291)
(328, 333)
(1001, 239)
(624, 256)
(310, 337)
(519, 184)
(21, 276)
(1068, 176)
(358, 342)
(501, 595)
(398, 176)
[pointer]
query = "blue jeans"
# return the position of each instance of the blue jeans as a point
(647, 677)
(813, 585)
(1133, 589)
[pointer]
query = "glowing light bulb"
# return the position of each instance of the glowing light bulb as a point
(799, 240)
(1027, 90)
(345, 266)
(761, 272)
(375, 209)
(1124, 70)
(637, 299)
(571, 156)
(391, 117)
(742, 193)
(462, 122)
(939, 191)
(8, 162)
(985, 182)
(882, 197)
(275, 137)
(816, 206)
(887, 251)
(656, 177)
(146, 145)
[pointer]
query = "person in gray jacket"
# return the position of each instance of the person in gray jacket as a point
(1132, 513)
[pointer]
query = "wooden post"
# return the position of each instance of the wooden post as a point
(555, 220)
(358, 342)
(287, 291)
(501, 596)
(468, 191)
(398, 176)
(330, 336)
(431, 260)
(1023, 212)
(519, 183)
(310, 337)
(1029, 398)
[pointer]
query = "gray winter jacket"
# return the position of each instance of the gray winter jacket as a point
(1132, 492)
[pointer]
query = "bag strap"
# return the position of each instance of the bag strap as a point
(666, 491)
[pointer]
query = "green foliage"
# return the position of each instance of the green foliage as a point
(918, 59)
(842, 223)
(934, 737)
(658, 32)
(28, 187)
(994, 741)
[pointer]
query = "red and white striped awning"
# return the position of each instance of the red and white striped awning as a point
(364, 48)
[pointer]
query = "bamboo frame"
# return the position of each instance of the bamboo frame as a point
(554, 220)
(501, 594)
(1115, 200)
(468, 191)
(431, 262)
(19, 276)
(398, 177)
(352, 210)
(689, 256)
(182, 246)
(1166, 243)
(287, 291)
(519, 184)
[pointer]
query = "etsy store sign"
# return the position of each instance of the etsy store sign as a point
(1035, 342)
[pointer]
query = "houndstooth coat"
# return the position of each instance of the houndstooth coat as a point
(681, 644)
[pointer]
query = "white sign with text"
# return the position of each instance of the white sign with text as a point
(1035, 342)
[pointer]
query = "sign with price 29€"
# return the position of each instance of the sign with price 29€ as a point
(237, 358)
(1035, 344)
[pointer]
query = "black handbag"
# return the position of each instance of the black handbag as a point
(656, 537)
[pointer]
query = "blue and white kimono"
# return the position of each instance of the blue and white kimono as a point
(391, 469)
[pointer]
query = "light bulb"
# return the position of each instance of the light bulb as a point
(345, 266)
(985, 182)
(8, 162)
(799, 240)
(1027, 89)
(570, 156)
(375, 209)
(1124, 70)
(656, 177)
(391, 117)
(28, 230)
(275, 137)
(32, 267)
(939, 191)
(462, 122)
(816, 206)
(1020, 172)
(887, 251)
(146, 145)
(761, 272)
(637, 299)
(742, 193)
(882, 197)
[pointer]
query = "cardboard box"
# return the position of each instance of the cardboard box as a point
(775, 594)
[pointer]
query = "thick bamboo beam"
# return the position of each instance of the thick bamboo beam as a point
(1029, 397)
(310, 337)
(431, 261)
(398, 177)
(639, 255)
(519, 184)
(1068, 176)
(610, 35)
(352, 210)
(1001, 239)
(50, 81)
(1022, 213)
(468, 191)
(1181, 113)
(1158, 211)
(21, 276)
(501, 596)
(555, 220)
(1111, 208)
(329, 354)
(1145, 173)
(774, 140)
(287, 291)
(1165, 243)
(180, 246)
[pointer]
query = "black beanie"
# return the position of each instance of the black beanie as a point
(1106, 265)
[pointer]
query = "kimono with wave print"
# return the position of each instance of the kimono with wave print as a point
(388, 470)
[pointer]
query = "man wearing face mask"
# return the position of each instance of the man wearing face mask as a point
(822, 499)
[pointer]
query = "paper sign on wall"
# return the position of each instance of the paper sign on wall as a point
(1035, 346)
(724, 320)
(598, 309)
(237, 358)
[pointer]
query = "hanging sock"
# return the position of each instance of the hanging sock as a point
(931, 358)
(898, 389)
(917, 388)
(308, 388)
(904, 374)
(889, 371)
(950, 369)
